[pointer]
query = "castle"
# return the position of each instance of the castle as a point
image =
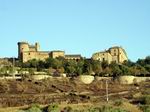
(113, 54)
(28, 52)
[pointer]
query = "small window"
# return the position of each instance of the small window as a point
(103, 59)
(29, 54)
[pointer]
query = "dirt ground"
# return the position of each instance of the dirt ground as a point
(63, 91)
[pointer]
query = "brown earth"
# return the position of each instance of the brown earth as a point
(59, 90)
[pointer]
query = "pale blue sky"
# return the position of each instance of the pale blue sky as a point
(76, 26)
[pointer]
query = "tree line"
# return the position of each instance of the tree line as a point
(89, 66)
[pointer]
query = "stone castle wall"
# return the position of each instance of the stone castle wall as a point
(28, 52)
(55, 54)
(34, 55)
(116, 54)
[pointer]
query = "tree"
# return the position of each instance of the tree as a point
(107, 71)
(70, 66)
(80, 63)
(96, 67)
(56, 64)
(33, 63)
(147, 60)
(49, 62)
(147, 67)
(141, 62)
(87, 67)
(125, 70)
(138, 70)
(116, 71)
(144, 62)
(18, 63)
(70, 69)
(79, 71)
(104, 64)
(26, 65)
(41, 64)
(128, 63)
(79, 67)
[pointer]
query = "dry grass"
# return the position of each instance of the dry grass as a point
(10, 109)
(82, 106)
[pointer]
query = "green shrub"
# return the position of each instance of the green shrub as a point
(94, 110)
(145, 108)
(145, 100)
(106, 109)
(53, 108)
(35, 105)
(34, 108)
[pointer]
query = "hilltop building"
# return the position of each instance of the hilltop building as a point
(28, 52)
(113, 54)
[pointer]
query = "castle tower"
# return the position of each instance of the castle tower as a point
(37, 46)
(22, 47)
(118, 54)
(115, 52)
